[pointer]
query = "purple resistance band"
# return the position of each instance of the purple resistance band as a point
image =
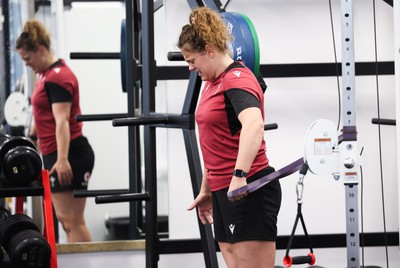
(257, 184)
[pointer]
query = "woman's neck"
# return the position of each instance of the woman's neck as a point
(225, 62)
(51, 59)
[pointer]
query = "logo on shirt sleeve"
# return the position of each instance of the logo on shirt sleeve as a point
(237, 73)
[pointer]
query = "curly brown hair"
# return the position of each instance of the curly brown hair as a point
(206, 27)
(33, 35)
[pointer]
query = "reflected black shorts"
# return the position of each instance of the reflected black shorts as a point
(81, 159)
(252, 218)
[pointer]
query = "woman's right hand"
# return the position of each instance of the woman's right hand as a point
(203, 202)
(64, 171)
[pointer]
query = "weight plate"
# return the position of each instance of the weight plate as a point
(122, 55)
(242, 46)
(8, 143)
(14, 224)
(16, 109)
(28, 248)
(256, 44)
(22, 165)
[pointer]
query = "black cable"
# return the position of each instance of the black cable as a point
(379, 135)
(336, 64)
(362, 213)
(226, 4)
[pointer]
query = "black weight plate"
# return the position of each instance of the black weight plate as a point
(1, 257)
(28, 248)
(22, 165)
(3, 137)
(4, 214)
(13, 142)
(122, 55)
(14, 224)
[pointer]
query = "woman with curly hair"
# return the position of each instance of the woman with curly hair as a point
(66, 153)
(230, 119)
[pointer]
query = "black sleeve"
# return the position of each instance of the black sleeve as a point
(262, 83)
(57, 93)
(241, 99)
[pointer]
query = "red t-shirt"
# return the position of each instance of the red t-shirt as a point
(219, 127)
(56, 84)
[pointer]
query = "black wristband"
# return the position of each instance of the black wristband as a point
(239, 173)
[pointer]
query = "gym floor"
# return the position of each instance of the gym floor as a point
(374, 257)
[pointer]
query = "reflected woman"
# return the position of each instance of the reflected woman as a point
(66, 153)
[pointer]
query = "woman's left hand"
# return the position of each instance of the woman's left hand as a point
(237, 183)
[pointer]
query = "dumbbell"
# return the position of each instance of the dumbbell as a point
(4, 213)
(25, 245)
(19, 159)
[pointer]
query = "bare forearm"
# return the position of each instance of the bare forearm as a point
(62, 138)
(204, 183)
(249, 145)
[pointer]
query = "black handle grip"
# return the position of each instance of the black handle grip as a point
(288, 260)
(301, 259)
(390, 122)
(99, 117)
(94, 56)
(175, 56)
(103, 199)
(270, 126)
(94, 193)
(143, 120)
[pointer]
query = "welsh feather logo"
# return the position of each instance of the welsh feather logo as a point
(52, 181)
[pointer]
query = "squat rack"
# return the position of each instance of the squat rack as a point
(150, 120)
(144, 22)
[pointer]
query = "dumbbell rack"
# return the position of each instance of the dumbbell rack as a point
(40, 187)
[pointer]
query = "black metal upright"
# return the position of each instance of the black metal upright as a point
(148, 82)
(148, 87)
(2, 71)
(6, 43)
(133, 131)
(196, 172)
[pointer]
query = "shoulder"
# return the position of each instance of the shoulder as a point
(238, 74)
(238, 70)
(241, 77)
(60, 72)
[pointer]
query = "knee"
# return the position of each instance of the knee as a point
(67, 221)
(63, 220)
(228, 248)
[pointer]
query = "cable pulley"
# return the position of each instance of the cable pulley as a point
(310, 257)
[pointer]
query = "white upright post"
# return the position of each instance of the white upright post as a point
(57, 17)
(348, 148)
(396, 20)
